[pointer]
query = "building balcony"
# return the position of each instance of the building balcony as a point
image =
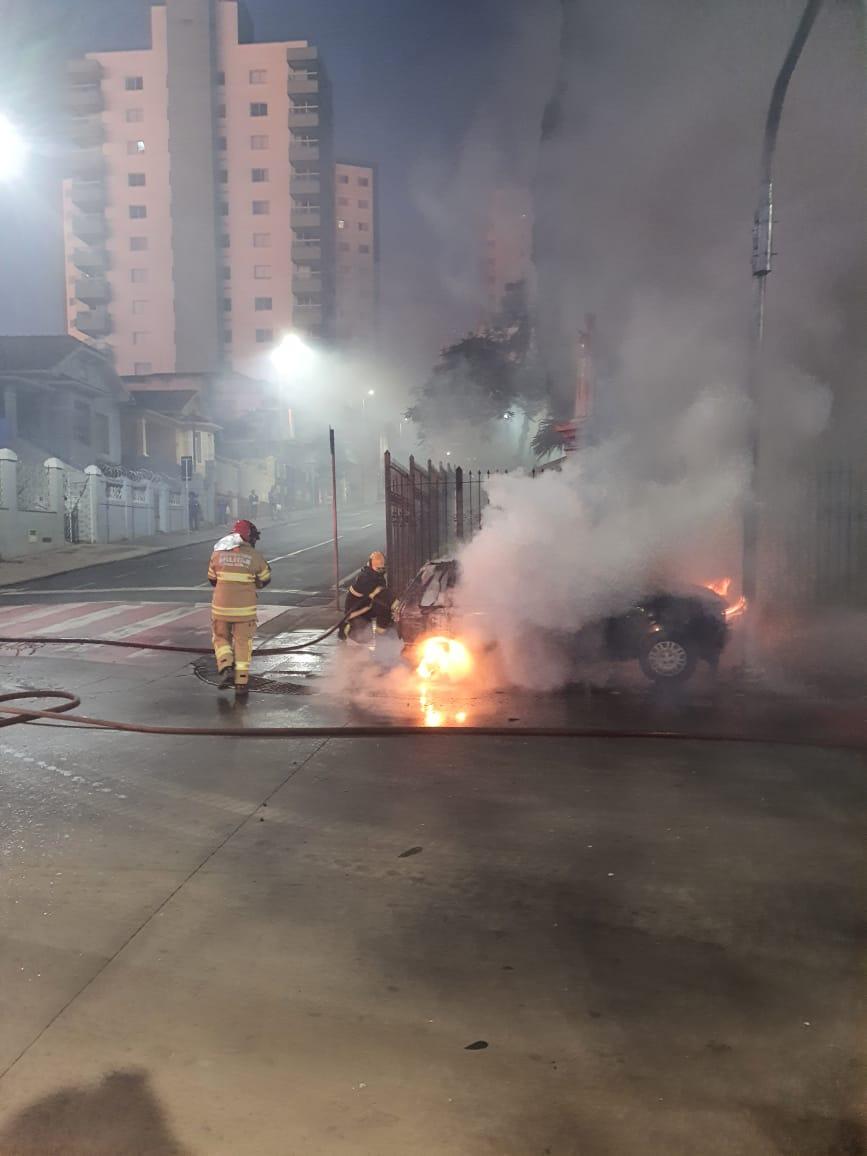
(303, 150)
(89, 196)
(303, 118)
(302, 84)
(93, 322)
(90, 261)
(301, 54)
(86, 163)
(306, 219)
(89, 227)
(92, 290)
(305, 285)
(86, 131)
(305, 186)
(304, 252)
(307, 316)
(85, 100)
(84, 71)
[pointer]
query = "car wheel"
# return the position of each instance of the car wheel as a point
(668, 660)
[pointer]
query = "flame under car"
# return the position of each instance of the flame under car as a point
(668, 632)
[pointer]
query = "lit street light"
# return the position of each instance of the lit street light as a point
(292, 355)
(13, 150)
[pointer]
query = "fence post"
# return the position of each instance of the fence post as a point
(459, 503)
(96, 498)
(165, 510)
(56, 504)
(9, 479)
(389, 499)
(128, 511)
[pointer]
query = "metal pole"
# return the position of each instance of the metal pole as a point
(763, 224)
(334, 517)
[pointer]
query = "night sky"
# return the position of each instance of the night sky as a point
(408, 78)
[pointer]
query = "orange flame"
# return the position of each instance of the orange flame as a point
(722, 586)
(441, 657)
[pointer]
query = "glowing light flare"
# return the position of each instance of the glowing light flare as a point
(435, 714)
(736, 609)
(720, 586)
(13, 150)
(441, 657)
(292, 355)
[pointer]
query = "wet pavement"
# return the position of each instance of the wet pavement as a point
(457, 945)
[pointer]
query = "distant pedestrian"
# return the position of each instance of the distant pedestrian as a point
(195, 511)
(253, 502)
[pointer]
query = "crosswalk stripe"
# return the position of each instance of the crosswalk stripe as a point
(73, 625)
(12, 615)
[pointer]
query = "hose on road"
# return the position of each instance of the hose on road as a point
(63, 713)
(58, 640)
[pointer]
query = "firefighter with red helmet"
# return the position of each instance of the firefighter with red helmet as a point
(369, 602)
(236, 571)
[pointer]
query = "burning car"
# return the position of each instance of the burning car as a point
(668, 631)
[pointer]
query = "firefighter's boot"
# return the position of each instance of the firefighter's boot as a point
(227, 679)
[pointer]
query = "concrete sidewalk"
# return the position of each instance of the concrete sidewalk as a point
(445, 946)
(82, 555)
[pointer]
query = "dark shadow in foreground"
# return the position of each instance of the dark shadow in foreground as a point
(118, 1117)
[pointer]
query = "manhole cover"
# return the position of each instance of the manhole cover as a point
(265, 682)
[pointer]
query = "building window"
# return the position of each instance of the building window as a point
(258, 75)
(259, 175)
(259, 141)
(341, 224)
(262, 272)
(142, 368)
(134, 115)
(261, 240)
(221, 79)
(258, 108)
(224, 210)
(364, 204)
(139, 306)
(134, 83)
(363, 227)
(138, 244)
(227, 304)
(135, 179)
(135, 146)
(343, 200)
(221, 111)
(344, 246)
(140, 338)
(138, 276)
(224, 240)
(264, 335)
(138, 212)
(363, 182)
(101, 433)
(263, 304)
(343, 179)
(81, 422)
(364, 248)
(261, 208)
(222, 144)
(224, 176)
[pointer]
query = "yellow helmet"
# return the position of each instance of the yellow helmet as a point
(376, 561)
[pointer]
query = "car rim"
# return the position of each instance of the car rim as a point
(667, 658)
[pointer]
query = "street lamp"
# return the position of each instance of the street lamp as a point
(763, 223)
(13, 150)
(292, 355)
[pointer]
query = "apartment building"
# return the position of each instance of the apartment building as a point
(356, 255)
(198, 211)
(508, 244)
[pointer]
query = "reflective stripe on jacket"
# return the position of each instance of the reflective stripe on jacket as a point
(236, 575)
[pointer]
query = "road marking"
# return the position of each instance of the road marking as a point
(70, 625)
(303, 550)
(44, 611)
(143, 590)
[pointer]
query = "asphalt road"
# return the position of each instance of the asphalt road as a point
(300, 552)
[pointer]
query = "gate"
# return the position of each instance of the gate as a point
(428, 511)
(76, 511)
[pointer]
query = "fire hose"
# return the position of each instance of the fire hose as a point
(62, 713)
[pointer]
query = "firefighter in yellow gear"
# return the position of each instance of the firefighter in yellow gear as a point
(236, 571)
(370, 605)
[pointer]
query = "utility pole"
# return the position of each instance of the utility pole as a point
(763, 226)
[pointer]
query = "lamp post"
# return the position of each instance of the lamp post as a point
(763, 224)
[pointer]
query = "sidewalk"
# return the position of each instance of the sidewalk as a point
(84, 554)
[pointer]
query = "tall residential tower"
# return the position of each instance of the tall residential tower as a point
(199, 215)
(357, 256)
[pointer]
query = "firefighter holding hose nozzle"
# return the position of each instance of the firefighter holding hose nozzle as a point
(370, 605)
(236, 571)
